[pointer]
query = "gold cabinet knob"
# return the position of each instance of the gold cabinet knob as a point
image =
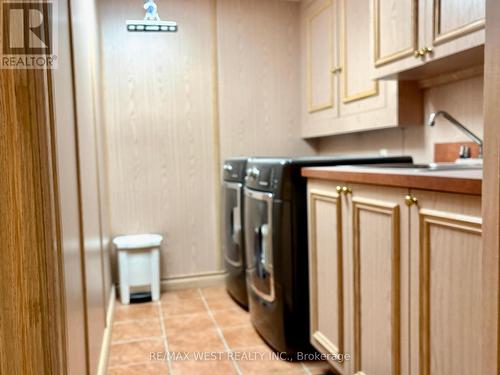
(410, 200)
(336, 70)
(423, 52)
(427, 50)
(346, 190)
(339, 189)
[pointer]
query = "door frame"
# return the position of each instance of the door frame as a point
(491, 193)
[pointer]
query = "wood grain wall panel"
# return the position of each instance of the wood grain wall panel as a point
(85, 64)
(31, 311)
(463, 99)
(102, 172)
(160, 132)
(65, 128)
(259, 61)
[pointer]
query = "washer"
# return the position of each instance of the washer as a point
(276, 244)
(233, 243)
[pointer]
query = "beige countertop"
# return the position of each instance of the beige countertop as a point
(467, 181)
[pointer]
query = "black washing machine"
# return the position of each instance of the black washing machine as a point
(233, 243)
(276, 244)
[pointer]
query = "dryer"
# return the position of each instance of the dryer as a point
(276, 246)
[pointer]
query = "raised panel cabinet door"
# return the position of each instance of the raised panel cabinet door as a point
(453, 26)
(320, 60)
(398, 32)
(380, 281)
(446, 298)
(356, 77)
(320, 66)
(326, 269)
(395, 30)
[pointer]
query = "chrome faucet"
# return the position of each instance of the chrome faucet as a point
(454, 121)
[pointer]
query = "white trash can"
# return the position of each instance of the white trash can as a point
(139, 264)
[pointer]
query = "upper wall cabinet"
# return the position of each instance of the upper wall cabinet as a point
(339, 93)
(411, 33)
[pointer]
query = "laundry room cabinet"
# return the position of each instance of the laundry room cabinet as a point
(395, 278)
(411, 33)
(339, 93)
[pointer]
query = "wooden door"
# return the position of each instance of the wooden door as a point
(398, 31)
(446, 297)
(32, 323)
(454, 26)
(326, 269)
(379, 274)
(320, 73)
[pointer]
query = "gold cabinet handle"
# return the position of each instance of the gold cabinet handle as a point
(418, 53)
(339, 189)
(336, 70)
(410, 200)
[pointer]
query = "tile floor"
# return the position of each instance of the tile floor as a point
(193, 321)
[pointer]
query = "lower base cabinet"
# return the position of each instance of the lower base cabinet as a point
(395, 278)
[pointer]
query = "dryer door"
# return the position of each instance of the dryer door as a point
(259, 243)
(233, 239)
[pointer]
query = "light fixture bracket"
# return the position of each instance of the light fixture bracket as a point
(151, 21)
(149, 25)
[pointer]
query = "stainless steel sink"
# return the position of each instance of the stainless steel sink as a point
(431, 167)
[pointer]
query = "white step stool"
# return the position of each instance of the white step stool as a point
(139, 263)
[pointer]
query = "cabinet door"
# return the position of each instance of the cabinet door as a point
(364, 101)
(398, 31)
(454, 26)
(446, 284)
(320, 42)
(326, 269)
(356, 47)
(379, 260)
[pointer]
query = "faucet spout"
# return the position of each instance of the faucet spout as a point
(454, 121)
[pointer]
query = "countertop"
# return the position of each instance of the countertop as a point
(456, 181)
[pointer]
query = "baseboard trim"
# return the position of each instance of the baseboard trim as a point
(106, 340)
(193, 281)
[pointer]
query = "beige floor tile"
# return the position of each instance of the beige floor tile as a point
(196, 341)
(222, 367)
(266, 362)
(180, 324)
(242, 337)
(133, 330)
(153, 368)
(134, 352)
(319, 368)
(232, 317)
(141, 311)
(183, 307)
(214, 292)
(180, 295)
(223, 302)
